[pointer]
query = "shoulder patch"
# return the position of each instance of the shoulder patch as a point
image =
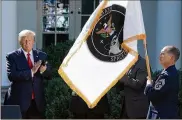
(164, 73)
(159, 84)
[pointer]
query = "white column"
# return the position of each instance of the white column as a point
(27, 16)
(168, 27)
(149, 10)
(0, 39)
(9, 34)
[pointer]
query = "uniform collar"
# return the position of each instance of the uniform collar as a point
(172, 67)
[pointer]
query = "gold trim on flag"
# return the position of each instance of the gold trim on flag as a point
(89, 31)
(124, 46)
(136, 37)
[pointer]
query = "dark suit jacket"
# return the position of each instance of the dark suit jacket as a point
(133, 83)
(22, 83)
(78, 106)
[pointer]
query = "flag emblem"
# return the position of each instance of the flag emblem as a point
(107, 35)
(105, 49)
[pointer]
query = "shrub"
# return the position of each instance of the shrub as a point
(114, 99)
(57, 95)
(57, 53)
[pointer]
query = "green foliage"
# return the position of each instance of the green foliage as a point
(154, 74)
(57, 53)
(57, 97)
(114, 99)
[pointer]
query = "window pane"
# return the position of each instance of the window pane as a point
(49, 23)
(62, 23)
(97, 3)
(84, 20)
(87, 6)
(48, 39)
(62, 7)
(49, 6)
(62, 38)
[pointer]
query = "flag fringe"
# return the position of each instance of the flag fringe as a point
(140, 37)
(147, 60)
(78, 92)
(124, 46)
(136, 37)
(73, 87)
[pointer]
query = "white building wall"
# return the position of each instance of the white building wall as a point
(26, 15)
(1, 40)
(16, 16)
(149, 10)
(168, 27)
(9, 34)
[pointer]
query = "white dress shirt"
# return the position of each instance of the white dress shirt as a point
(31, 57)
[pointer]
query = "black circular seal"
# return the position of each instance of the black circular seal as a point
(106, 37)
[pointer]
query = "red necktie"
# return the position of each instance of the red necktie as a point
(29, 61)
(30, 65)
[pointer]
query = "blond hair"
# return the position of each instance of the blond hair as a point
(25, 33)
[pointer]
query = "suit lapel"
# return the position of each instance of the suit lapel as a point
(35, 55)
(23, 58)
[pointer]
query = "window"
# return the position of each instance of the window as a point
(55, 21)
(63, 19)
(88, 6)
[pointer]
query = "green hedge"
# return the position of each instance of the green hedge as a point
(57, 53)
(57, 95)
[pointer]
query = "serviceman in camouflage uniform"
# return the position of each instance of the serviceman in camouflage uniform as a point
(163, 92)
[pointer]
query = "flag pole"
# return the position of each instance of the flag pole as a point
(147, 59)
(143, 38)
(152, 112)
(149, 75)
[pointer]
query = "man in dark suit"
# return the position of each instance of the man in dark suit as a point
(80, 109)
(134, 103)
(26, 69)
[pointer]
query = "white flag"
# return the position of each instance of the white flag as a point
(105, 49)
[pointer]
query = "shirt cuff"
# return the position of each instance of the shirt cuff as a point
(32, 73)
